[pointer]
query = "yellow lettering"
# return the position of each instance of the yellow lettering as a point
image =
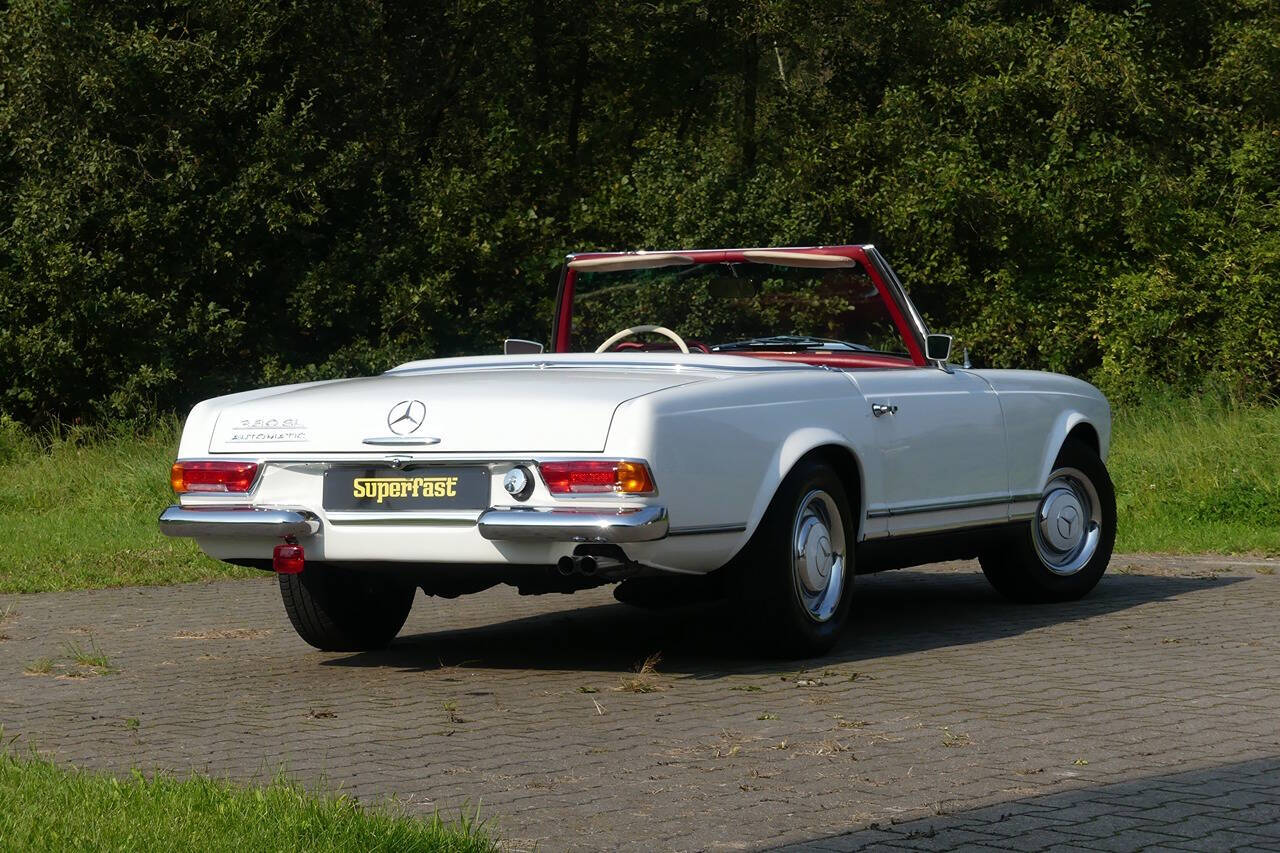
(383, 488)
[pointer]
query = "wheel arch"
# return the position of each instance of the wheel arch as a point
(1068, 426)
(807, 444)
(1085, 433)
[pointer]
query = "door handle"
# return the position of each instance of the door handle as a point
(879, 409)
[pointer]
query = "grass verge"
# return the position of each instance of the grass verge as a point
(47, 807)
(78, 510)
(1197, 475)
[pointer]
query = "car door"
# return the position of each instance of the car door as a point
(941, 438)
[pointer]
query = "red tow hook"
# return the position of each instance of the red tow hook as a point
(288, 559)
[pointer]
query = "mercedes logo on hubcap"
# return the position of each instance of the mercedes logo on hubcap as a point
(406, 416)
(1066, 522)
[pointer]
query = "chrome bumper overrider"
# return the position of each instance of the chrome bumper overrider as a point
(638, 524)
(242, 521)
(641, 524)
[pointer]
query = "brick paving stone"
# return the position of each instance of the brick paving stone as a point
(948, 718)
(1227, 842)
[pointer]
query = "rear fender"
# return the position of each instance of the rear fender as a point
(794, 448)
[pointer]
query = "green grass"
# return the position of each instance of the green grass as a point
(78, 510)
(47, 807)
(1197, 475)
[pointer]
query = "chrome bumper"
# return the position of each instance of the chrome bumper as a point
(641, 524)
(243, 521)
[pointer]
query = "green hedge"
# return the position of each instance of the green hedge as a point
(197, 197)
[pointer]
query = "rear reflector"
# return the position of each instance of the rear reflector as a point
(288, 559)
(597, 476)
(212, 476)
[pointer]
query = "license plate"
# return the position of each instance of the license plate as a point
(384, 490)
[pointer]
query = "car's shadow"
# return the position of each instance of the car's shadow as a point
(894, 613)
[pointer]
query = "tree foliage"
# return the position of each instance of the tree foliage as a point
(197, 197)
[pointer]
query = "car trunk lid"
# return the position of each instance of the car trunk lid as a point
(524, 408)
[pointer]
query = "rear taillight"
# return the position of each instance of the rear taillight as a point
(288, 559)
(590, 477)
(211, 476)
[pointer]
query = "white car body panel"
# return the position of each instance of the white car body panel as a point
(521, 408)
(719, 432)
(943, 445)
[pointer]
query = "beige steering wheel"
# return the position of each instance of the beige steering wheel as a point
(636, 330)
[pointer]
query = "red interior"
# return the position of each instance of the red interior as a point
(833, 359)
(816, 358)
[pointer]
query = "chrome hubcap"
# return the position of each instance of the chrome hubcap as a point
(1068, 522)
(818, 555)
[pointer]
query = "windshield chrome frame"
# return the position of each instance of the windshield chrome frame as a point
(561, 321)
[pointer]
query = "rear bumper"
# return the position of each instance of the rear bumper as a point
(505, 524)
(639, 524)
(240, 521)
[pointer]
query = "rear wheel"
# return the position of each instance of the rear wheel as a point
(798, 568)
(1061, 554)
(337, 610)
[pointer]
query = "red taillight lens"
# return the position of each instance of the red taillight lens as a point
(597, 477)
(288, 559)
(212, 476)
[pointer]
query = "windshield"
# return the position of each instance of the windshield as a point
(735, 307)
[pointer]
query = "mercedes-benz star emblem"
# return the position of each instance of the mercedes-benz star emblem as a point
(1066, 522)
(406, 416)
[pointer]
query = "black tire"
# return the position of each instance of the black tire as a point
(342, 611)
(1015, 565)
(775, 609)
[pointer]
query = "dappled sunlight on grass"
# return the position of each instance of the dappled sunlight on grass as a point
(1197, 475)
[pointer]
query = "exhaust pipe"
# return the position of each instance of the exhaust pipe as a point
(577, 566)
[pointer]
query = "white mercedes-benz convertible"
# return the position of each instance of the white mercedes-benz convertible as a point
(761, 424)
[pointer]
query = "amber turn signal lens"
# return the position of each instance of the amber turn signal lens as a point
(634, 478)
(212, 476)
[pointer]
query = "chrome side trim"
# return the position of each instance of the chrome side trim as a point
(641, 524)
(942, 506)
(242, 521)
(1020, 508)
(1024, 510)
(707, 529)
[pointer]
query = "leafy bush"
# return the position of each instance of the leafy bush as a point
(200, 197)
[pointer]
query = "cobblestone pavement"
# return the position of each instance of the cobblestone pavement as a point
(1147, 715)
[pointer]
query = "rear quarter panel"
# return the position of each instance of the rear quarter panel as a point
(720, 449)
